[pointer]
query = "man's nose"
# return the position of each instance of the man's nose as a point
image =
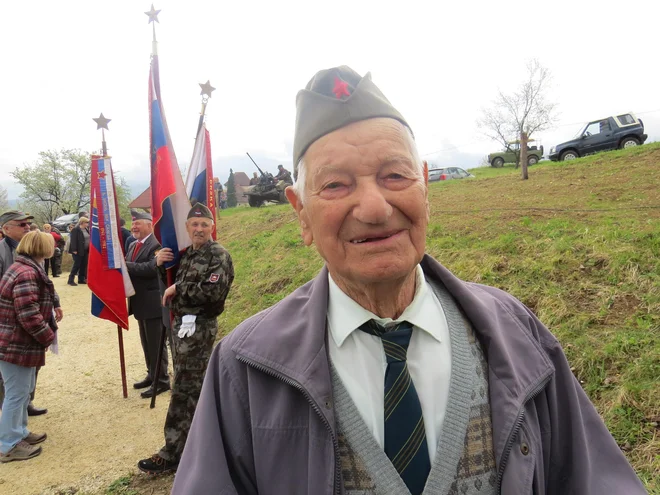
(372, 206)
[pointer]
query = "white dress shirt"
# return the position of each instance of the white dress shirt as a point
(360, 360)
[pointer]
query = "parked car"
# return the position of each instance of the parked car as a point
(448, 173)
(511, 153)
(621, 131)
(62, 223)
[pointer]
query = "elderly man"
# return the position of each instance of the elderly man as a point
(197, 298)
(15, 224)
(145, 304)
(386, 374)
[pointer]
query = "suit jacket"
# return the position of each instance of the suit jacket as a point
(77, 242)
(145, 304)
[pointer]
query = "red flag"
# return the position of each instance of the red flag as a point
(107, 275)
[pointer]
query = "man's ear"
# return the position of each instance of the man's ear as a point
(305, 227)
(426, 173)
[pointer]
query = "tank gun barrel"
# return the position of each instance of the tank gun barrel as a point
(255, 164)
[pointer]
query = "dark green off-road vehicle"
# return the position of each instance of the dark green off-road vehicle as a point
(511, 153)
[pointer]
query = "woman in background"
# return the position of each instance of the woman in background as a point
(29, 312)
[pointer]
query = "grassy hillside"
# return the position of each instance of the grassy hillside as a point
(579, 243)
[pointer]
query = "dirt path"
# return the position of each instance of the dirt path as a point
(94, 435)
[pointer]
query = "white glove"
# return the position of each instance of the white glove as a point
(187, 326)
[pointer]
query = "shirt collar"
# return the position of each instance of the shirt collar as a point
(345, 315)
(142, 241)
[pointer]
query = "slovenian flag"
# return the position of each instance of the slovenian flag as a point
(107, 276)
(199, 183)
(169, 201)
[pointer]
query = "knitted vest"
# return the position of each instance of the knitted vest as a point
(464, 462)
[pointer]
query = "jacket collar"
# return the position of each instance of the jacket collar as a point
(290, 339)
(26, 260)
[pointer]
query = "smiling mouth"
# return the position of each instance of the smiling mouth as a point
(373, 239)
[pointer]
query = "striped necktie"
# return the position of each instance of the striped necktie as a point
(405, 436)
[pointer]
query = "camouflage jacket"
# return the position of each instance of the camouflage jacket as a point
(202, 281)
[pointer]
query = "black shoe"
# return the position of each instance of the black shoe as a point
(157, 465)
(71, 282)
(143, 384)
(55, 276)
(82, 281)
(147, 394)
(36, 411)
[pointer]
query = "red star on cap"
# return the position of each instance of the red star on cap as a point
(340, 89)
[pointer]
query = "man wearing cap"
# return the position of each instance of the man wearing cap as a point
(15, 224)
(386, 374)
(197, 298)
(283, 174)
(145, 304)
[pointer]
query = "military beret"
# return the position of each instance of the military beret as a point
(140, 215)
(13, 215)
(332, 99)
(200, 211)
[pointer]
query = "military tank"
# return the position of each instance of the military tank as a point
(268, 189)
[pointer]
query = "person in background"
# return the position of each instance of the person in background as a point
(34, 227)
(145, 304)
(15, 225)
(59, 250)
(217, 190)
(126, 237)
(79, 248)
(197, 297)
(255, 179)
(28, 322)
(55, 262)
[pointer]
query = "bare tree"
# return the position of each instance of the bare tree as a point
(521, 113)
(4, 199)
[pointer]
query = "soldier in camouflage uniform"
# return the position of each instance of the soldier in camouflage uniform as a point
(202, 283)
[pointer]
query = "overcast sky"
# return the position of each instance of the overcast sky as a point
(64, 62)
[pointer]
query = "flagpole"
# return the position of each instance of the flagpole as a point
(102, 123)
(153, 19)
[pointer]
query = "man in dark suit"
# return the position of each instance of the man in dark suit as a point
(145, 304)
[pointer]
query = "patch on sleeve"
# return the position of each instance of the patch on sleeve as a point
(214, 277)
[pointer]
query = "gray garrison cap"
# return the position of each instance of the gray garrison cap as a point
(333, 99)
(199, 210)
(140, 215)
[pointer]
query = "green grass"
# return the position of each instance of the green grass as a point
(593, 277)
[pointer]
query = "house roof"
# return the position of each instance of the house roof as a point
(143, 201)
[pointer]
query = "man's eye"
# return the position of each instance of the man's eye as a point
(394, 176)
(333, 185)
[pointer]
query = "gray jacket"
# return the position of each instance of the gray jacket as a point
(6, 256)
(265, 421)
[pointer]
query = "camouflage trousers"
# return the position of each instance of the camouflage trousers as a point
(191, 356)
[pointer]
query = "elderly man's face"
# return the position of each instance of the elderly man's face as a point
(199, 230)
(47, 228)
(141, 229)
(16, 229)
(365, 205)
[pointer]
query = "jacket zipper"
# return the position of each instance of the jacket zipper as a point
(317, 409)
(516, 427)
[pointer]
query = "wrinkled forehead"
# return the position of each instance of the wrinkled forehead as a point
(374, 142)
(141, 223)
